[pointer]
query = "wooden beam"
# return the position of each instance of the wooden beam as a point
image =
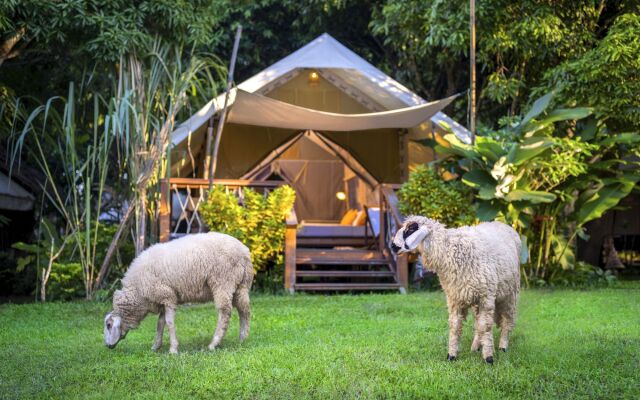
(290, 252)
(351, 91)
(402, 271)
(165, 211)
(346, 274)
(347, 286)
(225, 182)
(278, 82)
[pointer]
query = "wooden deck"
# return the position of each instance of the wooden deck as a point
(313, 261)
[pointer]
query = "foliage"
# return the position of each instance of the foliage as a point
(605, 77)
(66, 282)
(547, 176)
(60, 275)
(576, 343)
(517, 43)
(582, 275)
(257, 221)
(85, 142)
(427, 194)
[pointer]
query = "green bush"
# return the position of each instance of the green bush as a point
(427, 194)
(65, 282)
(259, 222)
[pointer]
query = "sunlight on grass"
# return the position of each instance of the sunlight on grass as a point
(567, 344)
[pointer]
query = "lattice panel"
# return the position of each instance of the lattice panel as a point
(186, 202)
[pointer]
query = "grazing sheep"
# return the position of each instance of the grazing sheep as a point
(478, 268)
(193, 269)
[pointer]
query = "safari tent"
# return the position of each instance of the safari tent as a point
(338, 130)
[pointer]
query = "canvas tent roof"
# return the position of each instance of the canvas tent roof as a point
(350, 69)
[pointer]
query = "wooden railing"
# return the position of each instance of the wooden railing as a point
(390, 221)
(181, 198)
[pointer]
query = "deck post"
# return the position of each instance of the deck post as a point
(165, 211)
(402, 271)
(290, 252)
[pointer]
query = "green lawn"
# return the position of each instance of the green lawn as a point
(567, 344)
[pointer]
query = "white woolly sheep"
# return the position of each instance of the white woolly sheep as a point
(193, 269)
(478, 268)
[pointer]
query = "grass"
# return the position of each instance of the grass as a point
(567, 344)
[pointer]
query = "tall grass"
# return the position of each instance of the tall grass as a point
(85, 139)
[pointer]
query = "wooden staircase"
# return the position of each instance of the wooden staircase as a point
(344, 269)
(310, 268)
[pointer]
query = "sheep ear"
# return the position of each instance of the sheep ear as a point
(413, 240)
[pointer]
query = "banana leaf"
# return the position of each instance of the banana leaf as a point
(528, 149)
(478, 178)
(489, 148)
(533, 196)
(487, 211)
(537, 108)
(603, 200)
(622, 138)
(565, 114)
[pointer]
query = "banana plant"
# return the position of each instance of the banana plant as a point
(547, 176)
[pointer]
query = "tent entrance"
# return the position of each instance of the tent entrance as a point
(320, 171)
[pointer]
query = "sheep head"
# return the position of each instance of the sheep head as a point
(411, 234)
(126, 314)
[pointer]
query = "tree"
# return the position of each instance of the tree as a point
(517, 43)
(606, 77)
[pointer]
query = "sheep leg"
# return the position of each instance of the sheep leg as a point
(224, 306)
(506, 321)
(170, 316)
(475, 346)
(485, 328)
(241, 303)
(456, 318)
(157, 343)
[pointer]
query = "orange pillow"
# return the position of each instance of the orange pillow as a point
(349, 217)
(360, 219)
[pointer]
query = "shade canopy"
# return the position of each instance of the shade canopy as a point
(257, 110)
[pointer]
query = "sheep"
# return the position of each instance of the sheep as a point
(196, 268)
(478, 268)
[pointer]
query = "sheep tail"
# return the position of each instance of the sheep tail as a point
(247, 265)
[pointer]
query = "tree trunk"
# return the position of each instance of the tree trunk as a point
(141, 226)
(104, 268)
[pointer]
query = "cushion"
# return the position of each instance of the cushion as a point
(349, 217)
(360, 219)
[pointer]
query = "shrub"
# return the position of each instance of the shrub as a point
(427, 194)
(259, 222)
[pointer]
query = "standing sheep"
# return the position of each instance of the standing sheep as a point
(478, 268)
(193, 269)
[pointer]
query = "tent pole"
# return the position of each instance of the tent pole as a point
(223, 116)
(207, 161)
(472, 62)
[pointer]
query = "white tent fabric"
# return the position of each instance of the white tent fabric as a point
(325, 52)
(254, 109)
(13, 196)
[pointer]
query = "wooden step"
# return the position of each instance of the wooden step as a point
(346, 274)
(340, 257)
(346, 286)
